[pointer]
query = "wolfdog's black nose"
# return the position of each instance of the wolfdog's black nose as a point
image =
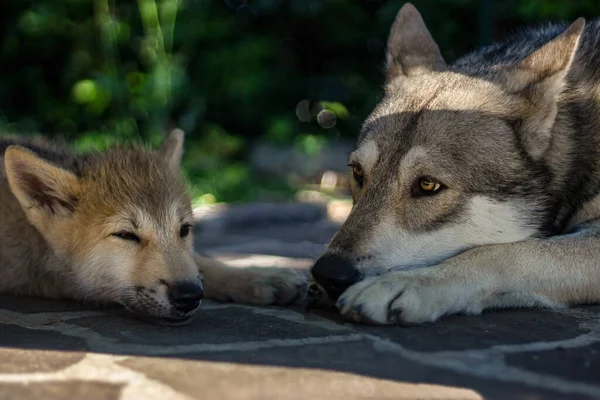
(185, 296)
(335, 274)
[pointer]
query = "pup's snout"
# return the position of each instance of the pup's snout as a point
(335, 274)
(185, 296)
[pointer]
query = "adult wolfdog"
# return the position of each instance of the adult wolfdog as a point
(475, 185)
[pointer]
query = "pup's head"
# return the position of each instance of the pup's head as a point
(119, 221)
(453, 157)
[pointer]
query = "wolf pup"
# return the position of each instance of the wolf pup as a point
(476, 185)
(115, 227)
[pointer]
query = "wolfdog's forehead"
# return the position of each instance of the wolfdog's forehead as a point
(438, 130)
(437, 106)
(440, 124)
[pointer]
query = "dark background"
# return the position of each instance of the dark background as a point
(245, 79)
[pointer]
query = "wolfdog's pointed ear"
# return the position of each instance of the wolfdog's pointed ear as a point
(410, 48)
(171, 149)
(43, 189)
(540, 78)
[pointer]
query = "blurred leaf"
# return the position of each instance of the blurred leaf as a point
(85, 91)
(310, 144)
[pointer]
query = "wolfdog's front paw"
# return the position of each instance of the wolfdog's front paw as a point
(401, 298)
(266, 286)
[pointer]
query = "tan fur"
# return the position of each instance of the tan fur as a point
(60, 213)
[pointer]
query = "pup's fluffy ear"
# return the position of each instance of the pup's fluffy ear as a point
(171, 149)
(43, 189)
(540, 78)
(410, 48)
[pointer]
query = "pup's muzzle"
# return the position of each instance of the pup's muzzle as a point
(335, 274)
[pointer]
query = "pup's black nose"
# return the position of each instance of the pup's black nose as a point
(335, 274)
(185, 296)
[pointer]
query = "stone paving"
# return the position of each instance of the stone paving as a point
(63, 350)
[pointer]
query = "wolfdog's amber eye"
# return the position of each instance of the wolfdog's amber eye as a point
(429, 186)
(357, 172)
(185, 230)
(426, 186)
(127, 236)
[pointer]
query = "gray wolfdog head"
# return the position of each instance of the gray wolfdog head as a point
(453, 157)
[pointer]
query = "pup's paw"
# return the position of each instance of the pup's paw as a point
(401, 298)
(267, 286)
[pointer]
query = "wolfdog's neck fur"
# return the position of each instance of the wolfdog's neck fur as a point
(571, 166)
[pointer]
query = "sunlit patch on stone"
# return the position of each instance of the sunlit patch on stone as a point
(328, 181)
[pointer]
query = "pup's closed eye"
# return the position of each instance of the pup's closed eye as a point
(124, 235)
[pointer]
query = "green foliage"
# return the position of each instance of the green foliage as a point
(291, 72)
